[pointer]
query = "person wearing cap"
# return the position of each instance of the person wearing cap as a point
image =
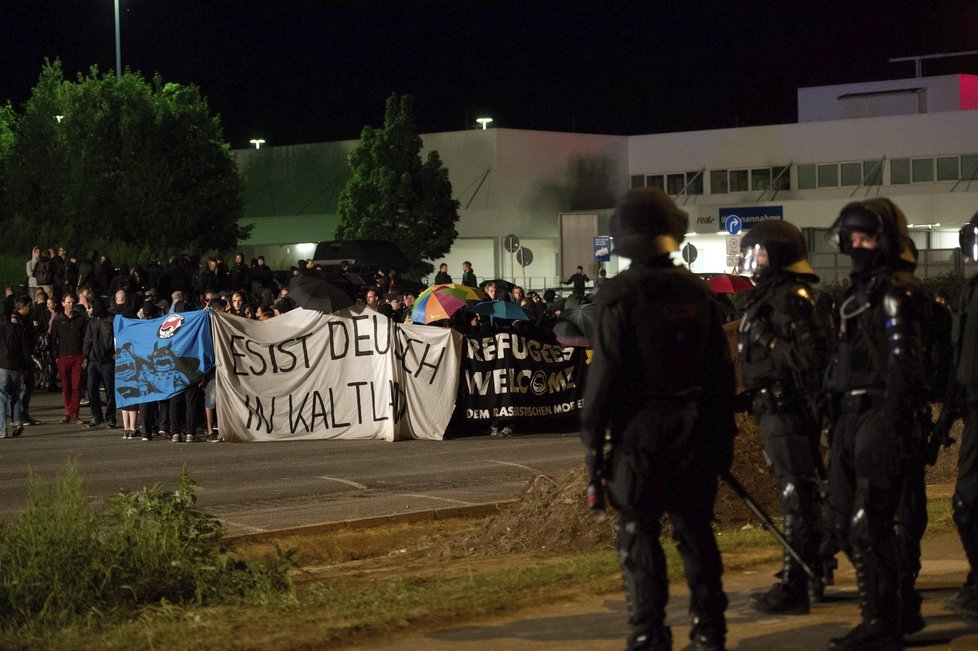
(783, 349)
(659, 393)
(876, 381)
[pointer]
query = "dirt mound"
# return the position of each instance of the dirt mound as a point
(550, 516)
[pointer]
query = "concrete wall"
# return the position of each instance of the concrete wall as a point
(890, 97)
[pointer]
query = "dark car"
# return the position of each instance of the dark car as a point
(365, 258)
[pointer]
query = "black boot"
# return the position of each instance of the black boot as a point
(868, 637)
(782, 599)
(707, 634)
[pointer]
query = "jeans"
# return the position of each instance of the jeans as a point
(104, 373)
(10, 397)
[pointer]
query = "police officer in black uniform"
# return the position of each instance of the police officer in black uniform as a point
(783, 353)
(962, 400)
(659, 393)
(876, 378)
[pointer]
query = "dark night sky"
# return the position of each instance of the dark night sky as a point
(294, 71)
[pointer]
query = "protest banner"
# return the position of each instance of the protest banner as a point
(531, 384)
(309, 375)
(155, 359)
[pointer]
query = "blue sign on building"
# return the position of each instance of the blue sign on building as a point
(747, 217)
(602, 248)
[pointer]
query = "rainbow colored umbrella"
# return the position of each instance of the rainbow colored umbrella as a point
(463, 292)
(435, 306)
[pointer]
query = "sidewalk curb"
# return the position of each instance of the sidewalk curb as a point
(428, 515)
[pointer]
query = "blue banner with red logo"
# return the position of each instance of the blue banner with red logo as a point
(155, 359)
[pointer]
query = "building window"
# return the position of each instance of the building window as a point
(923, 170)
(828, 176)
(969, 167)
(760, 179)
(947, 169)
(638, 180)
(872, 172)
(675, 183)
(806, 177)
(780, 178)
(655, 181)
(718, 182)
(852, 174)
(694, 183)
(899, 171)
(738, 181)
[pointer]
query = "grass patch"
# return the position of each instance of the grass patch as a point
(67, 566)
(334, 604)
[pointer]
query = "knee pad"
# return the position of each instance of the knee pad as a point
(964, 514)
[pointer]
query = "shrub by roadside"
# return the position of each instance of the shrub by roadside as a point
(64, 563)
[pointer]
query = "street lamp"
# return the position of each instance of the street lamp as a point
(484, 122)
(257, 142)
(118, 46)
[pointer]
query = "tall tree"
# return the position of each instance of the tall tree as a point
(120, 159)
(393, 195)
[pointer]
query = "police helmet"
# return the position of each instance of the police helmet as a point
(878, 218)
(968, 238)
(646, 224)
(783, 245)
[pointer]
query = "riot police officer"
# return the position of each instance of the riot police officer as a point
(962, 400)
(661, 388)
(876, 378)
(783, 352)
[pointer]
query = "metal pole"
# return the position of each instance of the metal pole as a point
(118, 46)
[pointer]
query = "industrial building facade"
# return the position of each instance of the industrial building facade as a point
(913, 140)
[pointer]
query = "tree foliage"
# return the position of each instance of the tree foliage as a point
(127, 161)
(393, 195)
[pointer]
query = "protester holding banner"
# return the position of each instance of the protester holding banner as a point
(660, 388)
(67, 337)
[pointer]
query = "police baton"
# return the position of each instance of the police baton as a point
(766, 522)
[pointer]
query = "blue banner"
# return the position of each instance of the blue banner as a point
(155, 359)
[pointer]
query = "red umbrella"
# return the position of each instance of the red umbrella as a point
(729, 284)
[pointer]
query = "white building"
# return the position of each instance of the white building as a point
(913, 140)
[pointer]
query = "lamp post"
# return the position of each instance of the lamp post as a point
(484, 122)
(118, 46)
(257, 142)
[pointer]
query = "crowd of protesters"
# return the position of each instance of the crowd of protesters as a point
(58, 332)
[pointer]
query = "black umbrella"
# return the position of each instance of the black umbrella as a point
(501, 285)
(314, 293)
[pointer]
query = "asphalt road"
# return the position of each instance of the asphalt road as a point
(256, 487)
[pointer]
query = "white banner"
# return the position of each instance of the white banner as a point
(309, 375)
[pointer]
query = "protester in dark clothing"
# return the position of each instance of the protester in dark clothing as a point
(877, 380)
(468, 275)
(70, 274)
(98, 349)
(443, 277)
(67, 338)
(86, 271)
(783, 353)
(240, 275)
(24, 317)
(104, 273)
(13, 359)
(662, 382)
(44, 274)
(578, 280)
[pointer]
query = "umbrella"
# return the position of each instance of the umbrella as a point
(501, 310)
(435, 306)
(501, 285)
(317, 294)
(574, 326)
(729, 284)
(463, 292)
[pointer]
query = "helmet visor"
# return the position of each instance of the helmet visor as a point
(753, 259)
